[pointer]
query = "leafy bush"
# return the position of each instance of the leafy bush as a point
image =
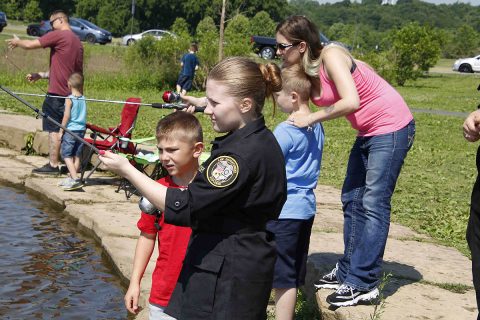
(155, 63)
(415, 49)
(32, 12)
(262, 25)
(382, 62)
(237, 36)
(180, 28)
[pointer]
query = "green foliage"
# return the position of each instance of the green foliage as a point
(116, 23)
(12, 8)
(180, 27)
(466, 41)
(262, 25)
(88, 9)
(28, 149)
(380, 307)
(32, 12)
(207, 36)
(416, 48)
(382, 62)
(306, 309)
(155, 63)
(372, 22)
(237, 36)
(342, 32)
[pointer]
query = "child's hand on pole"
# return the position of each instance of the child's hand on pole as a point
(114, 162)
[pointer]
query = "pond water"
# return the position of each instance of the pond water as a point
(48, 269)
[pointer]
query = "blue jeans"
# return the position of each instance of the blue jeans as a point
(373, 168)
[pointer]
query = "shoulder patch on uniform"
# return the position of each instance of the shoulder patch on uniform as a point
(222, 171)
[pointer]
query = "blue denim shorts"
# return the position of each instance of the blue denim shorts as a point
(70, 147)
(292, 238)
(185, 82)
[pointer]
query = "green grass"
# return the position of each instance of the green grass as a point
(433, 191)
(445, 63)
(451, 92)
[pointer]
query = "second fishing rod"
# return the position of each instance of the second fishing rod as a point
(172, 100)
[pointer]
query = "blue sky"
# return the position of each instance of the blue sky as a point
(472, 2)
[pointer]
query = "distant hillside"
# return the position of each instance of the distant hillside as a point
(385, 17)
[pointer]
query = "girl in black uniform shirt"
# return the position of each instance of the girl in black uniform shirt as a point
(228, 269)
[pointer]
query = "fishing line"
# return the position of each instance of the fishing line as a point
(43, 115)
(177, 106)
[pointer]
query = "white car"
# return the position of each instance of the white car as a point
(467, 65)
(130, 39)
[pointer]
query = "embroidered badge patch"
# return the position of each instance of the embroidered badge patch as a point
(222, 171)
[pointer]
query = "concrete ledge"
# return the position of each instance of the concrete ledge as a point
(420, 268)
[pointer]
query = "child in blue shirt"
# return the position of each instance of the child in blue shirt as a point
(189, 65)
(302, 149)
(74, 119)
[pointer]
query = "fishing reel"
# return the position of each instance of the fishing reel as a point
(147, 207)
(171, 97)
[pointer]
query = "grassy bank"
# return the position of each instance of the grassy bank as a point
(433, 192)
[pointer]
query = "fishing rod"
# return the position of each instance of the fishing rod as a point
(46, 116)
(171, 100)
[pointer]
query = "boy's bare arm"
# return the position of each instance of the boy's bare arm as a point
(67, 113)
(143, 252)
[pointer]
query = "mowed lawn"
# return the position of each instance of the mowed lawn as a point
(433, 191)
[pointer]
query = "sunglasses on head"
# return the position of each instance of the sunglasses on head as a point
(284, 46)
(53, 21)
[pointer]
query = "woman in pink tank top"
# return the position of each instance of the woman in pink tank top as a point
(343, 86)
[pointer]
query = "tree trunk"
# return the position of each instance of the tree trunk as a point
(222, 22)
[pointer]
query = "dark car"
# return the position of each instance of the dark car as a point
(84, 29)
(38, 29)
(3, 21)
(89, 32)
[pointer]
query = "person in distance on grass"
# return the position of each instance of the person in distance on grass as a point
(228, 269)
(66, 57)
(74, 119)
(180, 144)
(471, 132)
(344, 86)
(189, 64)
(302, 149)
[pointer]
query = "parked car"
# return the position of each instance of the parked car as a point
(38, 29)
(266, 47)
(130, 39)
(84, 29)
(468, 65)
(3, 21)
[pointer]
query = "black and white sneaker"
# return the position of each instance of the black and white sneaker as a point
(348, 296)
(328, 281)
(47, 169)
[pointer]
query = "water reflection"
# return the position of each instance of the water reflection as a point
(48, 270)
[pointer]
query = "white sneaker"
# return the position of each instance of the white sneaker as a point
(65, 182)
(73, 184)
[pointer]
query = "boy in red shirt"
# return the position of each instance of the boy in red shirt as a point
(180, 144)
